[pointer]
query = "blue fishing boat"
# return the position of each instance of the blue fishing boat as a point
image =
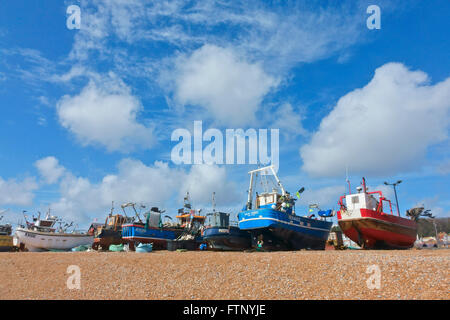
(151, 231)
(221, 235)
(272, 220)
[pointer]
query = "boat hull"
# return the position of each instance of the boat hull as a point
(227, 239)
(190, 245)
(281, 231)
(135, 233)
(45, 241)
(6, 243)
(373, 230)
(106, 238)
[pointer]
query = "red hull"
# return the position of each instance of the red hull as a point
(374, 230)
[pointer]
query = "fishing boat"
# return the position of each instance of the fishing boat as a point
(191, 223)
(364, 219)
(111, 231)
(153, 230)
(43, 235)
(6, 240)
(220, 234)
(272, 220)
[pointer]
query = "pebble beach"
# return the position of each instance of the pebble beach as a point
(410, 274)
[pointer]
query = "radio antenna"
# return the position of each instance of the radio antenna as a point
(348, 181)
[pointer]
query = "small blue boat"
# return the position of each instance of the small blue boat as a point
(151, 231)
(220, 235)
(273, 223)
(135, 232)
(168, 235)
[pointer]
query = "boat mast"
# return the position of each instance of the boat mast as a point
(187, 202)
(250, 192)
(283, 192)
(348, 181)
(265, 169)
(131, 204)
(214, 201)
(136, 213)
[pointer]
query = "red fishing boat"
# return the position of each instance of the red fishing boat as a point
(363, 218)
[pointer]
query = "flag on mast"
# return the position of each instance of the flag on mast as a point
(300, 191)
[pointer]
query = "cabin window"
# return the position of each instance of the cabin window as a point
(266, 199)
(355, 199)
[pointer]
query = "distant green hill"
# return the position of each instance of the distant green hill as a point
(426, 227)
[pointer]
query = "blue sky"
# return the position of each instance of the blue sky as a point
(87, 114)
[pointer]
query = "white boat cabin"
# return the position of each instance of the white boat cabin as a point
(268, 198)
(361, 200)
(46, 225)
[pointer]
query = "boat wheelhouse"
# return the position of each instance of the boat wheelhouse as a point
(272, 221)
(221, 234)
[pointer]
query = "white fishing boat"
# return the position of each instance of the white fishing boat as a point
(42, 235)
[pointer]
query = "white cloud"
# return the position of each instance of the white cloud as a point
(203, 180)
(155, 185)
(140, 183)
(433, 204)
(296, 33)
(81, 200)
(13, 192)
(222, 75)
(75, 72)
(285, 34)
(388, 192)
(93, 32)
(42, 121)
(324, 197)
(29, 65)
(105, 114)
(219, 80)
(444, 167)
(288, 120)
(50, 169)
(382, 128)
